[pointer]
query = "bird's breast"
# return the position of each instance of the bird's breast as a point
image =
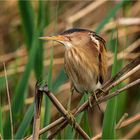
(81, 69)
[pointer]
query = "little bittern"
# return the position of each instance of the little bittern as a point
(85, 58)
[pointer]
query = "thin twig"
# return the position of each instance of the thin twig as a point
(124, 70)
(122, 125)
(98, 136)
(132, 132)
(20, 69)
(129, 21)
(85, 105)
(48, 127)
(121, 120)
(64, 112)
(127, 68)
(64, 122)
(135, 69)
(100, 100)
(110, 83)
(37, 111)
(130, 120)
(9, 102)
(107, 97)
(122, 22)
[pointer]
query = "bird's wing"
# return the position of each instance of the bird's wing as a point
(102, 63)
(99, 44)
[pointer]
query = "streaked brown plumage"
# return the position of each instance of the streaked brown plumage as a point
(85, 58)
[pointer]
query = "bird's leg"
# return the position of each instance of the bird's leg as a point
(69, 115)
(95, 97)
(70, 98)
(96, 100)
(90, 102)
(89, 99)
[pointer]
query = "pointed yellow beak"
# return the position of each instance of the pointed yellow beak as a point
(58, 38)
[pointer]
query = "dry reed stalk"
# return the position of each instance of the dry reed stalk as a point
(130, 134)
(70, 118)
(80, 14)
(20, 69)
(37, 111)
(131, 68)
(122, 123)
(100, 100)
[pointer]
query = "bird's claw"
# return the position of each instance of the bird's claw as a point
(102, 91)
(90, 102)
(71, 118)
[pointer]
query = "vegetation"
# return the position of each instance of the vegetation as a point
(25, 60)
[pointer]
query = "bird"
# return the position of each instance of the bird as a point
(85, 58)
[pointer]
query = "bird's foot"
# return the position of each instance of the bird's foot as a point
(71, 118)
(101, 90)
(96, 99)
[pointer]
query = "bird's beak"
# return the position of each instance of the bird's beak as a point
(59, 38)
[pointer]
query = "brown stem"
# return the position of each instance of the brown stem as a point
(64, 112)
(109, 83)
(100, 100)
(37, 108)
(123, 124)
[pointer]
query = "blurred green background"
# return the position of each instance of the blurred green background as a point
(29, 60)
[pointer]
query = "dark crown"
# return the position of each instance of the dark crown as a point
(69, 31)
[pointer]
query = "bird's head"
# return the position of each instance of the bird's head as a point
(74, 37)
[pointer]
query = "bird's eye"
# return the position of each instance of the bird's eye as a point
(69, 38)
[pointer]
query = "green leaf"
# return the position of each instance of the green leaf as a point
(35, 59)
(47, 114)
(19, 94)
(47, 102)
(23, 83)
(110, 115)
(2, 82)
(25, 122)
(50, 70)
(38, 62)
(86, 126)
(80, 116)
(60, 79)
(1, 122)
(27, 17)
(122, 97)
(17, 103)
(121, 102)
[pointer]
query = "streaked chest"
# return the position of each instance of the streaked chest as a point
(81, 68)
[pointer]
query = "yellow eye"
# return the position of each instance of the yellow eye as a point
(68, 37)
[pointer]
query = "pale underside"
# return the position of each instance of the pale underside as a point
(84, 76)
